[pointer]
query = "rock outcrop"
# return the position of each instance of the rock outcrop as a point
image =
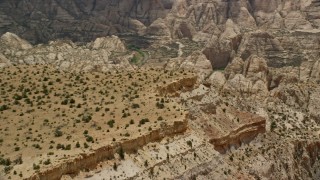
(85, 20)
(176, 87)
(91, 160)
(241, 135)
(100, 55)
(283, 32)
(223, 124)
(12, 41)
(39, 21)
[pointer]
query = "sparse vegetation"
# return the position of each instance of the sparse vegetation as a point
(121, 153)
(78, 110)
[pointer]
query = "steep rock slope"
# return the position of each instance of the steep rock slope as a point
(103, 54)
(85, 20)
(79, 20)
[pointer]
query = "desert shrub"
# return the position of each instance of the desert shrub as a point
(135, 106)
(4, 107)
(160, 105)
(36, 167)
(72, 101)
(68, 147)
(60, 146)
(189, 143)
(78, 145)
(89, 139)
(86, 118)
(5, 162)
(273, 126)
(65, 102)
(121, 153)
(111, 123)
(7, 169)
(58, 133)
(18, 160)
(115, 166)
(47, 162)
(143, 121)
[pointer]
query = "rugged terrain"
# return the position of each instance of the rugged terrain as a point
(215, 89)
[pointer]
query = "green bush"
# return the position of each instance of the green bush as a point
(143, 121)
(135, 106)
(72, 101)
(134, 59)
(111, 123)
(47, 162)
(36, 167)
(58, 133)
(273, 126)
(189, 143)
(121, 153)
(89, 139)
(86, 118)
(160, 105)
(4, 107)
(7, 169)
(78, 145)
(68, 147)
(65, 102)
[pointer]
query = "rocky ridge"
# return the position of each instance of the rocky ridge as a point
(99, 55)
(92, 159)
(256, 96)
(230, 107)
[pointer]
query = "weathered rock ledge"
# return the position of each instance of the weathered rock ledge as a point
(90, 160)
(243, 134)
(182, 85)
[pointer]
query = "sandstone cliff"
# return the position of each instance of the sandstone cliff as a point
(85, 20)
(100, 55)
(39, 21)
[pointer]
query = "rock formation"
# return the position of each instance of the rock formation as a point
(85, 20)
(79, 20)
(85, 161)
(99, 55)
(253, 100)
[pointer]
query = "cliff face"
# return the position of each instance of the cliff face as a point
(91, 160)
(239, 136)
(284, 32)
(40, 21)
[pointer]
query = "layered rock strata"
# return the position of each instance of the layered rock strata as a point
(90, 160)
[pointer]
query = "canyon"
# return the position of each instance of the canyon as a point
(215, 89)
